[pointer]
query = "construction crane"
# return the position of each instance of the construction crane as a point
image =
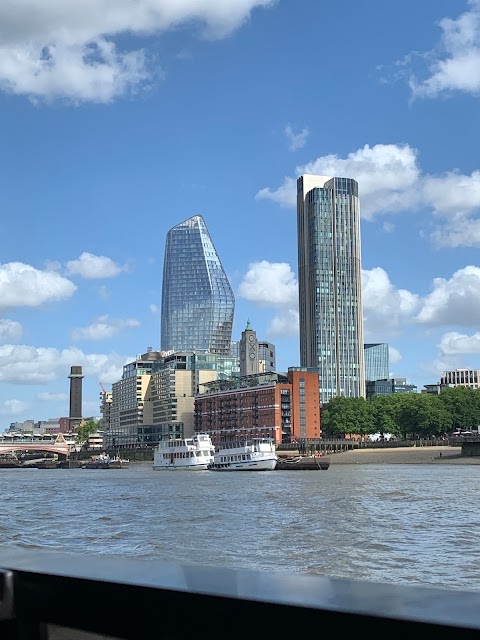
(102, 387)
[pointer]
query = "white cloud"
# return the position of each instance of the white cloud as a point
(153, 308)
(453, 343)
(103, 328)
(24, 286)
(22, 364)
(385, 172)
(12, 407)
(394, 355)
(55, 49)
(297, 140)
(10, 330)
(91, 266)
(284, 324)
(386, 309)
(455, 64)
(455, 301)
(269, 284)
(390, 180)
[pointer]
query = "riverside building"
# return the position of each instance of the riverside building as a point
(155, 398)
(197, 299)
(283, 407)
(329, 278)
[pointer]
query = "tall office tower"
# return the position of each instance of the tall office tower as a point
(376, 361)
(76, 377)
(197, 300)
(329, 277)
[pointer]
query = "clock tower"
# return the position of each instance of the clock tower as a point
(249, 364)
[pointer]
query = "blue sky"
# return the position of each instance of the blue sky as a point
(121, 119)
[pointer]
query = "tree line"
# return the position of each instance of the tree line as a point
(404, 415)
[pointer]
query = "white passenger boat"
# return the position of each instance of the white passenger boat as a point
(193, 454)
(253, 454)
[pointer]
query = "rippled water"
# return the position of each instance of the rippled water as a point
(400, 524)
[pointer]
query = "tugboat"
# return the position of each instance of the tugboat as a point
(303, 463)
(9, 461)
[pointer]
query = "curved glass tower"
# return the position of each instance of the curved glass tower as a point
(197, 300)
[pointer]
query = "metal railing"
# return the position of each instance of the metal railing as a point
(53, 596)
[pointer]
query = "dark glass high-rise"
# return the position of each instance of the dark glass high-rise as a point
(197, 299)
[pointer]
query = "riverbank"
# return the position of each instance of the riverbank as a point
(404, 455)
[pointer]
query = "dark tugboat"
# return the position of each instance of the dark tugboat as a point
(302, 463)
(9, 461)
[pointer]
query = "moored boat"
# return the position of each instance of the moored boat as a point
(9, 461)
(253, 454)
(104, 461)
(189, 454)
(303, 463)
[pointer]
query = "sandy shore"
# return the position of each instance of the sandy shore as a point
(403, 455)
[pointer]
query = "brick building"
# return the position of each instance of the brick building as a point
(283, 407)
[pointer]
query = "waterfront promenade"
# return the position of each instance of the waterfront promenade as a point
(404, 455)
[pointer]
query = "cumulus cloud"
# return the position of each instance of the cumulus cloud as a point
(391, 180)
(24, 286)
(12, 407)
(153, 308)
(10, 330)
(51, 49)
(386, 309)
(284, 324)
(454, 343)
(394, 355)
(22, 364)
(385, 172)
(90, 266)
(103, 328)
(273, 284)
(454, 65)
(296, 140)
(270, 284)
(455, 301)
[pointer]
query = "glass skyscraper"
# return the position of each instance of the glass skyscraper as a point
(329, 278)
(197, 300)
(376, 361)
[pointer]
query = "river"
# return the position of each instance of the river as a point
(401, 524)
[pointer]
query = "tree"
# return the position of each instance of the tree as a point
(85, 430)
(463, 405)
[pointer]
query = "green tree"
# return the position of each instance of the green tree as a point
(463, 405)
(346, 416)
(85, 430)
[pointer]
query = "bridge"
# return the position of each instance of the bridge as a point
(58, 445)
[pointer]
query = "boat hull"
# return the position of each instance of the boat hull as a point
(303, 463)
(184, 454)
(178, 467)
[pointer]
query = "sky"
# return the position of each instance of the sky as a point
(118, 120)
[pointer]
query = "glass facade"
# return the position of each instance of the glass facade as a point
(197, 300)
(329, 273)
(376, 361)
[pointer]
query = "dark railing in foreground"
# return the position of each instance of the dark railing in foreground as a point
(48, 595)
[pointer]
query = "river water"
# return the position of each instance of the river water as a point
(401, 524)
